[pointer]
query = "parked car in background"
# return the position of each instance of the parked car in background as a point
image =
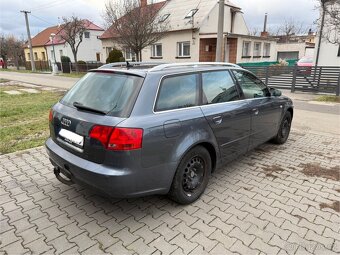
(305, 65)
(305, 61)
(136, 129)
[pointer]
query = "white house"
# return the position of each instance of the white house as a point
(329, 54)
(89, 48)
(192, 36)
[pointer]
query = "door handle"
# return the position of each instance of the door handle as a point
(217, 120)
(256, 111)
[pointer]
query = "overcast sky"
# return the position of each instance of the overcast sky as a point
(45, 13)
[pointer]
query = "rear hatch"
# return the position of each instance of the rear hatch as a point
(99, 99)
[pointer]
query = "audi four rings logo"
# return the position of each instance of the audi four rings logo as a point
(65, 122)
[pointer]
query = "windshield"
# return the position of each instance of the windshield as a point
(104, 92)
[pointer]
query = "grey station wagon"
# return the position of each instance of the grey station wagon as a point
(139, 129)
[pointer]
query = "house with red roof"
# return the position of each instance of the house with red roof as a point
(43, 45)
(89, 49)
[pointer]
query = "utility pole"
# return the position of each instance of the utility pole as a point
(220, 32)
(323, 4)
(29, 40)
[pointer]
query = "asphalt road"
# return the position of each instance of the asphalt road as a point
(40, 79)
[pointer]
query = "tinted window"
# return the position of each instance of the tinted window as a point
(105, 92)
(177, 92)
(218, 87)
(252, 87)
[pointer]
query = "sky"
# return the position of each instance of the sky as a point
(45, 13)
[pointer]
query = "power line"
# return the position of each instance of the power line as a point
(42, 19)
(52, 4)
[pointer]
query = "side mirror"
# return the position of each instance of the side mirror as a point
(275, 92)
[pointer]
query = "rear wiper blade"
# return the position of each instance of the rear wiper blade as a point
(83, 107)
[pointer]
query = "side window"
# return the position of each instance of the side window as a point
(218, 87)
(177, 92)
(252, 87)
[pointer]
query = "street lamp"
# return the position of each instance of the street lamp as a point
(54, 65)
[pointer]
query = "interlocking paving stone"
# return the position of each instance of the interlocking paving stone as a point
(243, 211)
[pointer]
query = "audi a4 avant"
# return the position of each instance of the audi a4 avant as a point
(138, 129)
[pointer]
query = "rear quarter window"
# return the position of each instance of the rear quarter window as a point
(177, 92)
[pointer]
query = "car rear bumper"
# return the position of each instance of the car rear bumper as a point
(122, 183)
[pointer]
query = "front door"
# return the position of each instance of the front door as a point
(228, 116)
(266, 110)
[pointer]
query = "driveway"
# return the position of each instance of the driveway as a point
(274, 200)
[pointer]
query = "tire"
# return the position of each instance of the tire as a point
(284, 130)
(192, 176)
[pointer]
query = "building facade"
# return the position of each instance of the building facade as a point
(329, 53)
(192, 35)
(42, 46)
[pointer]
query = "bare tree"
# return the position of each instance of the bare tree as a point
(331, 26)
(254, 31)
(134, 25)
(72, 31)
(11, 48)
(290, 28)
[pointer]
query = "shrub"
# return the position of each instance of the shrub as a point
(65, 59)
(114, 56)
(81, 62)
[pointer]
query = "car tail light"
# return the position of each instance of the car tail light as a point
(50, 117)
(118, 139)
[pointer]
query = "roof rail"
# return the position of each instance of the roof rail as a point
(130, 64)
(192, 64)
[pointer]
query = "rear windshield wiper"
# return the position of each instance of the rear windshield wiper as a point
(83, 107)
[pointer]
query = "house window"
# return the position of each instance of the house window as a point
(87, 34)
(266, 50)
(339, 51)
(61, 53)
(191, 13)
(130, 55)
(183, 49)
(164, 18)
(43, 56)
(28, 56)
(246, 49)
(257, 49)
(157, 50)
(35, 56)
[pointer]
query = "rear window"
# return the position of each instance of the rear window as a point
(105, 92)
(177, 92)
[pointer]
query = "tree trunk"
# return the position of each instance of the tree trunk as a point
(16, 60)
(140, 57)
(76, 61)
(137, 56)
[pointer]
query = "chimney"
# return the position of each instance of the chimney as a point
(264, 33)
(143, 3)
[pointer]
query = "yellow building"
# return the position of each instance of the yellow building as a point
(38, 45)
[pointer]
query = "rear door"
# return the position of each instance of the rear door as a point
(266, 111)
(228, 116)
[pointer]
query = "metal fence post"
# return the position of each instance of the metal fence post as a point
(267, 75)
(294, 79)
(337, 89)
